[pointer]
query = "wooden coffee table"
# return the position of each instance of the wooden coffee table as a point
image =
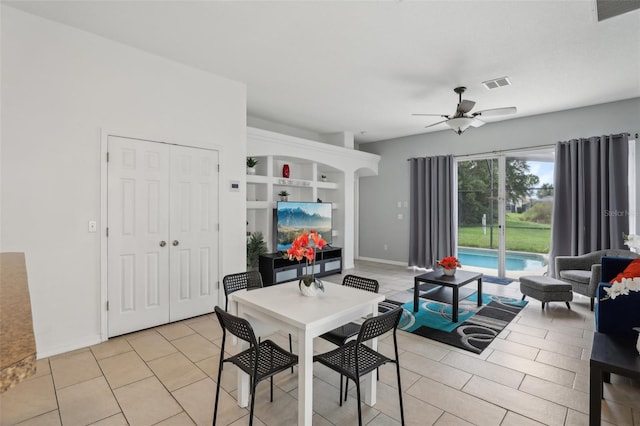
(451, 297)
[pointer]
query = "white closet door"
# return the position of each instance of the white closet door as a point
(138, 242)
(194, 232)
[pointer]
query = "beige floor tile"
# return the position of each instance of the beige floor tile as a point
(175, 330)
(197, 399)
(558, 394)
(513, 348)
(195, 347)
(416, 411)
(28, 399)
(578, 366)
(117, 420)
(120, 370)
(547, 372)
(434, 370)
(519, 402)
(228, 409)
(209, 328)
(527, 329)
(615, 413)
(151, 346)
(75, 368)
(42, 368)
(52, 418)
(210, 367)
(383, 420)
(76, 399)
(581, 342)
(111, 347)
(181, 419)
(146, 402)
(421, 346)
(282, 411)
(450, 420)
(551, 346)
(488, 370)
(176, 371)
(515, 419)
(460, 404)
(325, 403)
(581, 383)
(575, 418)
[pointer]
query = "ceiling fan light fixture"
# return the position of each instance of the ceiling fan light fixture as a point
(460, 124)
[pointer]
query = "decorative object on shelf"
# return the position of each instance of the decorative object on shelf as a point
(638, 342)
(323, 178)
(284, 195)
(255, 247)
(304, 247)
(632, 241)
(251, 165)
(285, 171)
(449, 265)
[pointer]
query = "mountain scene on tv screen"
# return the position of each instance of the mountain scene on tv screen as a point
(295, 221)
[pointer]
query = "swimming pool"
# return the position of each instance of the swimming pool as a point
(515, 261)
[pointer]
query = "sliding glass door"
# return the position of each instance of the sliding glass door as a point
(504, 212)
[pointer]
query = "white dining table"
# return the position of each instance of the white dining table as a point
(283, 306)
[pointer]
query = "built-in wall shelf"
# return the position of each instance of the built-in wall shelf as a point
(307, 162)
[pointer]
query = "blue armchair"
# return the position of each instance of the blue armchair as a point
(616, 316)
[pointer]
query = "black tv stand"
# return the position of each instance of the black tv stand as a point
(276, 269)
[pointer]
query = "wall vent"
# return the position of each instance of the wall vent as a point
(497, 82)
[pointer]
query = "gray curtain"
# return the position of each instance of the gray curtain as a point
(591, 196)
(431, 228)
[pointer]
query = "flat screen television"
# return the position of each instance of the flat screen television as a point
(296, 217)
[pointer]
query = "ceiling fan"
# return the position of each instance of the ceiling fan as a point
(462, 120)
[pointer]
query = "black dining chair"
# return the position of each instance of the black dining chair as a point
(354, 359)
(339, 336)
(244, 280)
(260, 361)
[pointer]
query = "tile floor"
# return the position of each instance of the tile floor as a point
(536, 372)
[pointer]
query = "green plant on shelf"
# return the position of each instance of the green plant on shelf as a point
(251, 162)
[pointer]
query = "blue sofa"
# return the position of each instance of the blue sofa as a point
(616, 316)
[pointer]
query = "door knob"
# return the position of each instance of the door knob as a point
(163, 243)
(175, 242)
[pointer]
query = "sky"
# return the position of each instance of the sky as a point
(543, 170)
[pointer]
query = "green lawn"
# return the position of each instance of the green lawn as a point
(520, 236)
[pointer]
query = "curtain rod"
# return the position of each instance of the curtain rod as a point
(518, 149)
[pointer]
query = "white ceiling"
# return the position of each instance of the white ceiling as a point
(365, 67)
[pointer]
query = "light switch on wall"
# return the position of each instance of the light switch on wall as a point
(93, 226)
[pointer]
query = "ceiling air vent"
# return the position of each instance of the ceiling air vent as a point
(497, 82)
(610, 8)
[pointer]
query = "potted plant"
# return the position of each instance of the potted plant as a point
(255, 247)
(283, 195)
(251, 165)
(323, 178)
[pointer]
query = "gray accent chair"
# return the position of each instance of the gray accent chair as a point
(583, 271)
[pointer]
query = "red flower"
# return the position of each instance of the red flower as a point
(450, 262)
(304, 247)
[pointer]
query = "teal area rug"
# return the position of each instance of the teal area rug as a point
(476, 327)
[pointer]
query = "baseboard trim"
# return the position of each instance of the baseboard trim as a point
(388, 262)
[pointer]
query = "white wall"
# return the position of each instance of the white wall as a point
(60, 88)
(379, 195)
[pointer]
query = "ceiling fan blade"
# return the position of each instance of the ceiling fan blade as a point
(496, 111)
(433, 115)
(435, 124)
(477, 123)
(465, 106)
